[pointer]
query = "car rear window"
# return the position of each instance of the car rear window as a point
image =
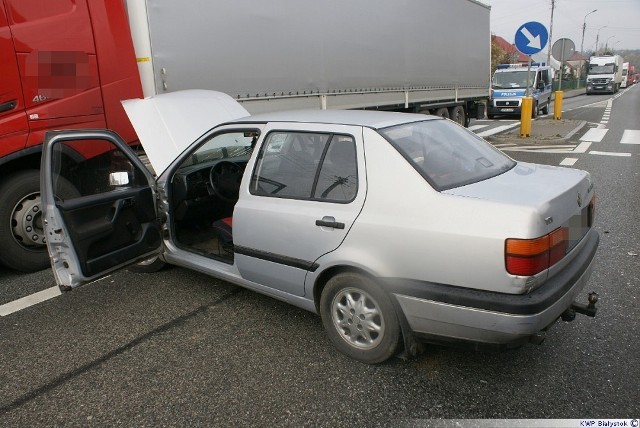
(446, 154)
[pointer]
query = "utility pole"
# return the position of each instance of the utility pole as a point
(598, 37)
(584, 27)
(553, 6)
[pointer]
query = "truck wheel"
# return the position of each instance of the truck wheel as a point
(457, 115)
(360, 318)
(22, 238)
(443, 112)
(491, 116)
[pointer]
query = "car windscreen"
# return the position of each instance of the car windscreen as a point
(446, 154)
(512, 79)
(601, 69)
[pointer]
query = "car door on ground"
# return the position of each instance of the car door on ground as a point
(306, 188)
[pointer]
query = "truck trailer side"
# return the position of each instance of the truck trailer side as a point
(68, 64)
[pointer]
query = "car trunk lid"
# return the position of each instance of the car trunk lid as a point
(561, 197)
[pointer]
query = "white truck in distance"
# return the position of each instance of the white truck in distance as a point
(605, 74)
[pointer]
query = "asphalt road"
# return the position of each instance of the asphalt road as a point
(180, 348)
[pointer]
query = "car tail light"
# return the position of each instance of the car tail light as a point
(527, 257)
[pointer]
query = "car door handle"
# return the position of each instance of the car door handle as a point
(330, 222)
(8, 106)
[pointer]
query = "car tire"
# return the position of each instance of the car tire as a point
(491, 116)
(534, 110)
(545, 109)
(22, 237)
(457, 115)
(360, 318)
(154, 264)
(443, 112)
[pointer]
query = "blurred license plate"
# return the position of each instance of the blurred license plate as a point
(507, 110)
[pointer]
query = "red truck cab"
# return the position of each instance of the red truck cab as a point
(64, 64)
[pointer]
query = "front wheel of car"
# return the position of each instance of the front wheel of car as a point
(360, 318)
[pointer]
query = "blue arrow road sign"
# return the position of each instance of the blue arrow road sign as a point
(531, 37)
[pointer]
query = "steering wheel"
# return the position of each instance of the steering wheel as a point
(225, 180)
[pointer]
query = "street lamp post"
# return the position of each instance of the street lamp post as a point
(598, 37)
(584, 27)
(606, 44)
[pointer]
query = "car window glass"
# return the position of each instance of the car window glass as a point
(446, 154)
(338, 177)
(288, 163)
(92, 167)
(228, 146)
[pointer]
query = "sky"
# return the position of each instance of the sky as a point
(616, 21)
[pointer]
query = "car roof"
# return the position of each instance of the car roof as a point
(367, 118)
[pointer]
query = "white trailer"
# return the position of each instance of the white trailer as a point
(625, 75)
(605, 74)
(425, 56)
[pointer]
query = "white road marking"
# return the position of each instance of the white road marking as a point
(476, 127)
(32, 299)
(540, 149)
(594, 135)
(582, 147)
(594, 152)
(630, 136)
(568, 161)
(497, 129)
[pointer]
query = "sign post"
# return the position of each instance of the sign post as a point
(562, 49)
(530, 39)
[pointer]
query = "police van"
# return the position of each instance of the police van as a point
(509, 85)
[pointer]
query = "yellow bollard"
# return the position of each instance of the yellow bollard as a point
(525, 117)
(557, 106)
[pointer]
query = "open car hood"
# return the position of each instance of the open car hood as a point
(167, 124)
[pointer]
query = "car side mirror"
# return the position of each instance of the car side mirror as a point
(120, 178)
(541, 85)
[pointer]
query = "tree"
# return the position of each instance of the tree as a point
(497, 55)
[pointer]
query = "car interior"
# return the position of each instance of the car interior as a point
(204, 190)
(297, 165)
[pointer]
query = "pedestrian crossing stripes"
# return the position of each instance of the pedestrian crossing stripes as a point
(594, 135)
(630, 136)
(585, 145)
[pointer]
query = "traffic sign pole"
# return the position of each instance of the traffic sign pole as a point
(530, 39)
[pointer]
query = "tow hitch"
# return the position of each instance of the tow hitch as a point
(589, 310)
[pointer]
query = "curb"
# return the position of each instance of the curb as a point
(500, 136)
(575, 130)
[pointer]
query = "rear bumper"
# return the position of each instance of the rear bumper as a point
(473, 315)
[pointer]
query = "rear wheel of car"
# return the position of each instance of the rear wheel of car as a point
(443, 112)
(360, 318)
(545, 109)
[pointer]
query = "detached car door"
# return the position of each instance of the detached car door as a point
(306, 188)
(98, 202)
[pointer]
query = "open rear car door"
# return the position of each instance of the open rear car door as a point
(99, 205)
